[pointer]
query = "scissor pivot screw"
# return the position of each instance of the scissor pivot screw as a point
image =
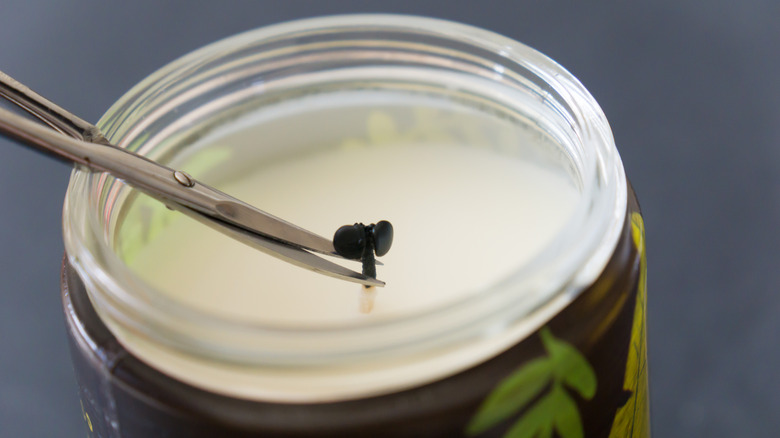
(183, 179)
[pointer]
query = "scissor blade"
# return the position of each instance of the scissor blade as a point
(259, 221)
(283, 251)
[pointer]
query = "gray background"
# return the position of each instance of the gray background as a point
(691, 89)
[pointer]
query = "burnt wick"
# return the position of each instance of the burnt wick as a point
(362, 242)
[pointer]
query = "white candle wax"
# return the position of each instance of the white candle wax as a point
(463, 218)
(467, 212)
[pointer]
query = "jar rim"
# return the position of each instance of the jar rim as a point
(574, 260)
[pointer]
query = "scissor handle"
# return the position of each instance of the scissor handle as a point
(48, 112)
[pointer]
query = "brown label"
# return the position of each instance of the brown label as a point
(552, 393)
(633, 419)
(583, 374)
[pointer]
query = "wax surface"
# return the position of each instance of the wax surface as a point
(464, 219)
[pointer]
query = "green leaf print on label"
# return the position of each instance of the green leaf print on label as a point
(512, 394)
(563, 368)
(570, 366)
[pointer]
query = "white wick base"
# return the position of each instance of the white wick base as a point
(367, 299)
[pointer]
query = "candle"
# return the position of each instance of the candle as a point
(515, 293)
(456, 208)
(467, 214)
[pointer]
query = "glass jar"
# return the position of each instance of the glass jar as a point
(555, 343)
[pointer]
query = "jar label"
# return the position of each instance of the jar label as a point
(541, 397)
(583, 374)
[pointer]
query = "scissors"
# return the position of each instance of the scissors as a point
(74, 140)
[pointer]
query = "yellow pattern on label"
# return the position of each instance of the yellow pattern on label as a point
(85, 415)
(633, 419)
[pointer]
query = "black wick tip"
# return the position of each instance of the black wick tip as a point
(382, 233)
(350, 241)
(361, 242)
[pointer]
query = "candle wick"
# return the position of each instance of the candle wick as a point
(368, 259)
(368, 293)
(367, 298)
(361, 242)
